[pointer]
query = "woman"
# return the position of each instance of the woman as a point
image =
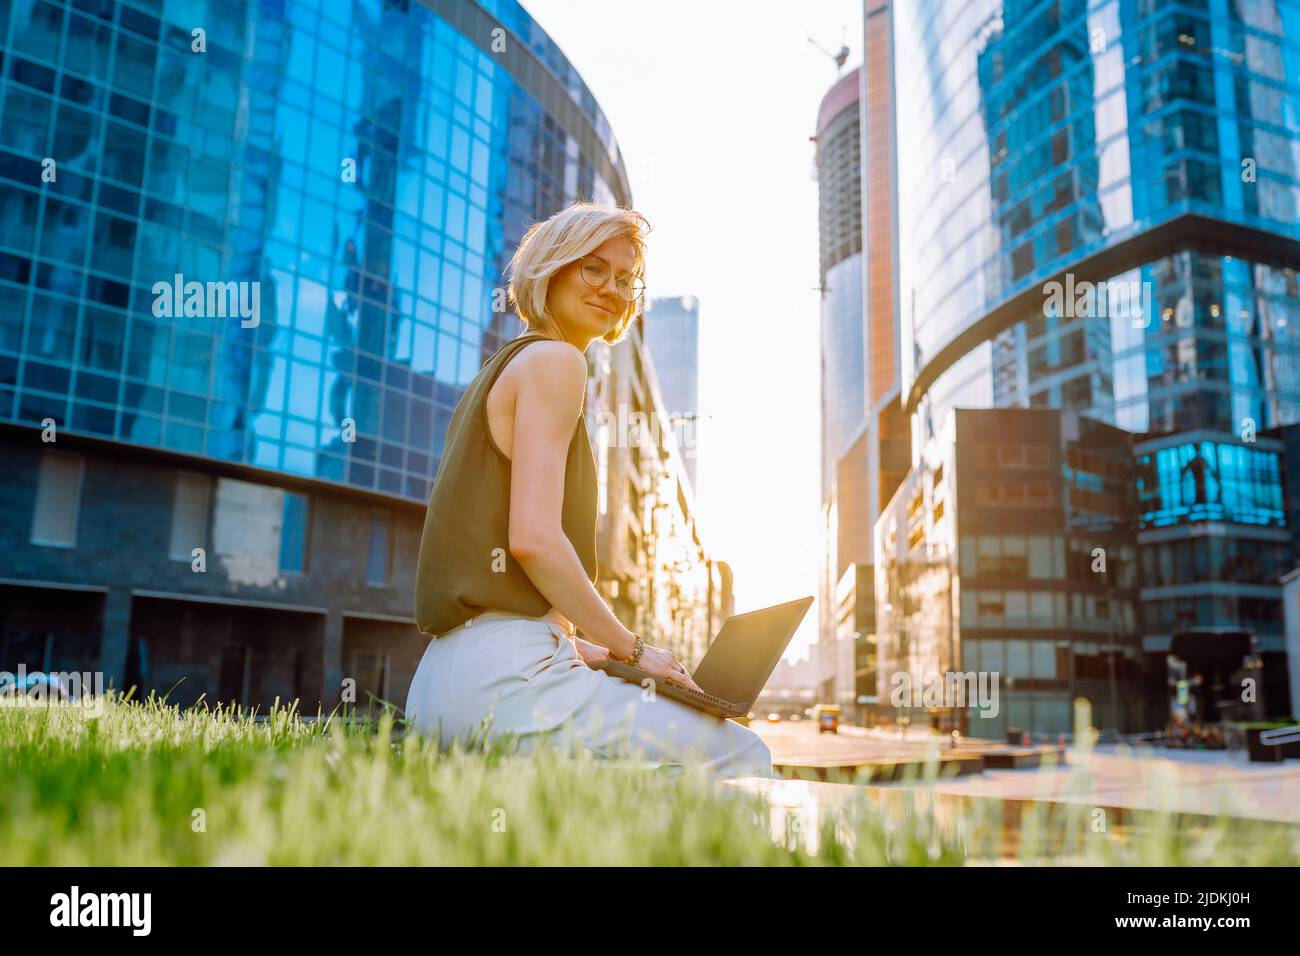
(508, 556)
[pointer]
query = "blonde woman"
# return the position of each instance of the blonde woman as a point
(508, 556)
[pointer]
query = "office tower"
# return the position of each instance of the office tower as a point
(1097, 214)
(845, 491)
(672, 333)
(866, 438)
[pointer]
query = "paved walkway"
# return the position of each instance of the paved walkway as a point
(1183, 781)
(1215, 783)
(797, 746)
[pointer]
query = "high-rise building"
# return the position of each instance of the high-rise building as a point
(845, 493)
(250, 255)
(1097, 212)
(865, 436)
(672, 333)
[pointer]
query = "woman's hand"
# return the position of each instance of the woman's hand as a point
(589, 652)
(662, 664)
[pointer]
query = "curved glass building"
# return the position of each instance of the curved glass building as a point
(1127, 142)
(261, 241)
(1098, 214)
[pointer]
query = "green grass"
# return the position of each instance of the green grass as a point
(145, 783)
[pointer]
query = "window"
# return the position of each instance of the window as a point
(1017, 605)
(58, 499)
(989, 604)
(993, 656)
(914, 506)
(189, 515)
(969, 547)
(1043, 660)
(1011, 456)
(380, 548)
(1040, 608)
(1015, 560)
(1018, 659)
(294, 534)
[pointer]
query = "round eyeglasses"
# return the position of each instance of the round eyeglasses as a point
(595, 272)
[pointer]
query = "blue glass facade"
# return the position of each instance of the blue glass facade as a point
(359, 171)
(1042, 135)
(1148, 148)
(1210, 481)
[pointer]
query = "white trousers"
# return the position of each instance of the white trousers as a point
(504, 674)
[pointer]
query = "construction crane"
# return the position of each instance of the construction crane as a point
(840, 58)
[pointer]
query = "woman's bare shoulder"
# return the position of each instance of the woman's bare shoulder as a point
(555, 367)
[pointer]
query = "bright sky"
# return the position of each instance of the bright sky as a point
(712, 102)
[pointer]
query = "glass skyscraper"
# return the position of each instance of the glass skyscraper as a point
(1098, 213)
(263, 241)
(672, 334)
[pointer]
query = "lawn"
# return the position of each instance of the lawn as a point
(144, 783)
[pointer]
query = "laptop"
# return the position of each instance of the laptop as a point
(737, 664)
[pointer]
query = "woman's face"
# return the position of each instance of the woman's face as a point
(583, 312)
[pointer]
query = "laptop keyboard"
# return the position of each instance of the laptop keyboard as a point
(695, 694)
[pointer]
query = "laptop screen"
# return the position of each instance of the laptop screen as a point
(746, 650)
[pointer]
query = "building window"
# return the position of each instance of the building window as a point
(294, 535)
(378, 554)
(58, 499)
(1011, 456)
(916, 537)
(189, 515)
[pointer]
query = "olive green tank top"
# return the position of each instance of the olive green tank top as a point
(465, 565)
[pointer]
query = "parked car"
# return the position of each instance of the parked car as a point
(773, 718)
(828, 718)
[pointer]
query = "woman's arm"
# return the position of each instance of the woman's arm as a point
(552, 381)
(548, 402)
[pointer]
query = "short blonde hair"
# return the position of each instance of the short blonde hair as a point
(549, 246)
